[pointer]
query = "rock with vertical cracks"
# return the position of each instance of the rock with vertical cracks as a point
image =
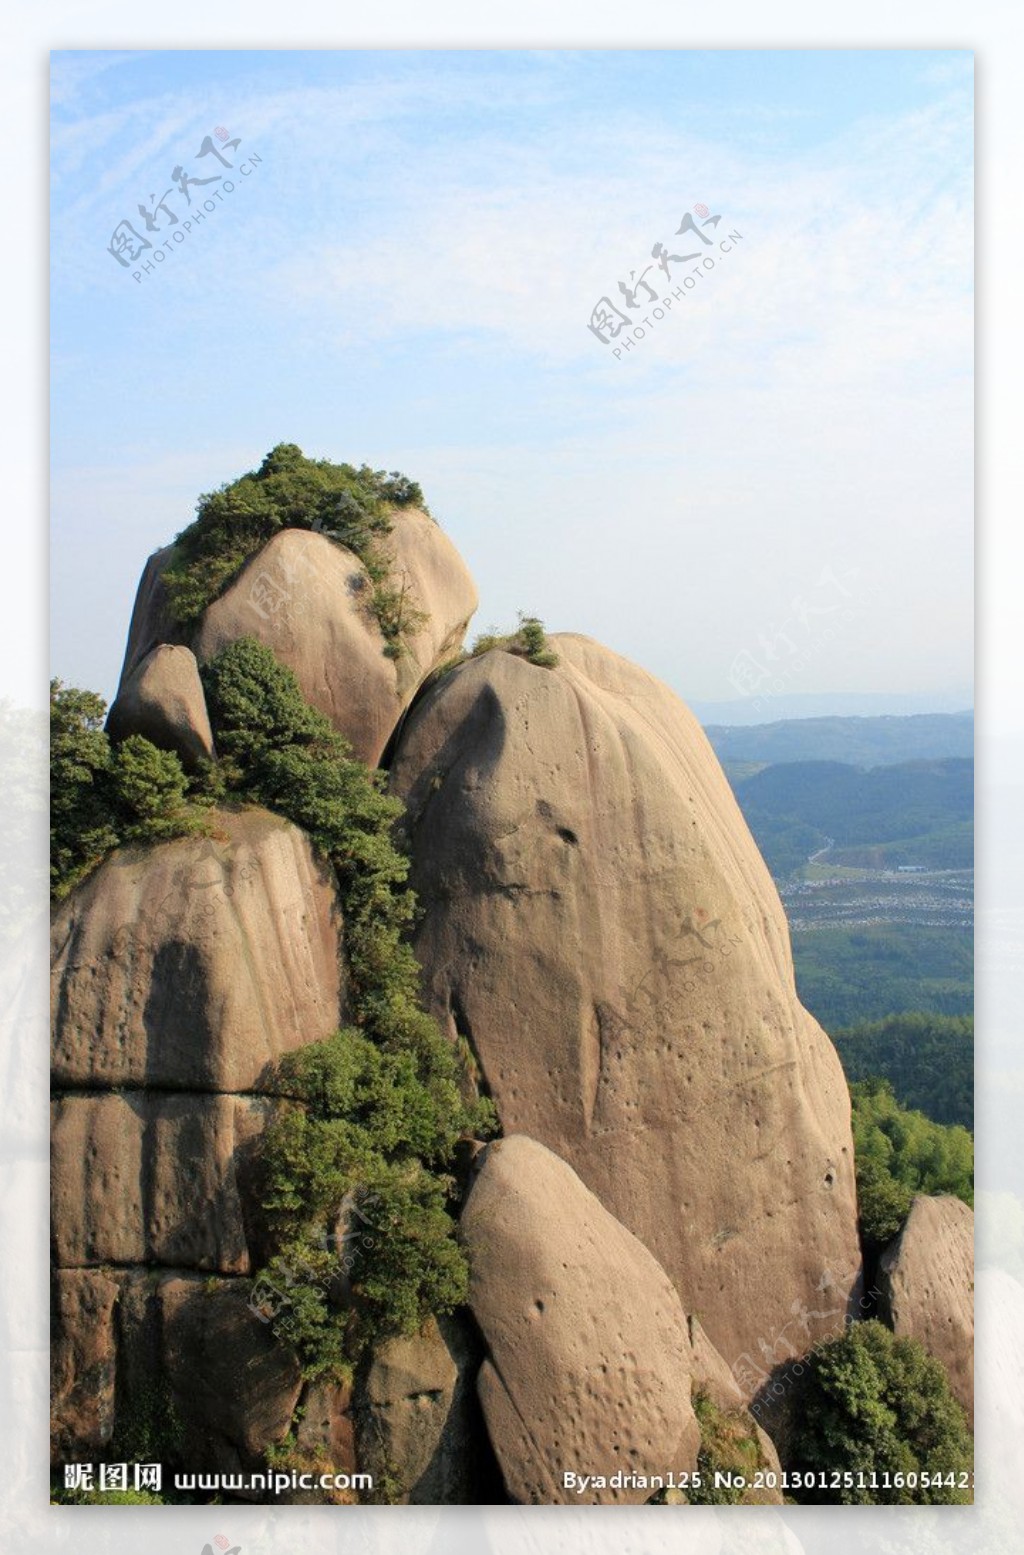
(196, 964)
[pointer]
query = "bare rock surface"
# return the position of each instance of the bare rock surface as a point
(195, 964)
(587, 1366)
(600, 928)
(163, 700)
(233, 1388)
(153, 621)
(927, 1281)
(151, 1177)
(82, 1359)
(309, 599)
(419, 1427)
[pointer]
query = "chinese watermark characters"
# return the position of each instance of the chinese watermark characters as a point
(175, 211)
(617, 325)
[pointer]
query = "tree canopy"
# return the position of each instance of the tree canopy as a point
(872, 1404)
(900, 1153)
(350, 505)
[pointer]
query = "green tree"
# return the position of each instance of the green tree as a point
(150, 791)
(103, 795)
(928, 1058)
(900, 1153)
(288, 491)
(380, 1106)
(875, 1404)
(82, 827)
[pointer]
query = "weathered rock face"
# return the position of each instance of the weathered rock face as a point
(926, 1277)
(232, 1386)
(419, 1428)
(148, 1177)
(325, 1436)
(153, 621)
(82, 1359)
(163, 699)
(587, 1363)
(190, 1369)
(181, 973)
(194, 965)
(600, 927)
(308, 598)
(710, 1373)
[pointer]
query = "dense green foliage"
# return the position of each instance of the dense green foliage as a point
(918, 812)
(527, 642)
(380, 1125)
(81, 824)
(928, 1060)
(861, 742)
(378, 1107)
(376, 1110)
(845, 975)
(289, 491)
(103, 795)
(900, 1154)
(872, 1403)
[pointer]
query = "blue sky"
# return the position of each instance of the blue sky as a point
(778, 474)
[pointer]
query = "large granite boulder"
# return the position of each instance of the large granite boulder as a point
(601, 930)
(153, 621)
(309, 599)
(419, 1429)
(151, 1177)
(195, 964)
(163, 700)
(926, 1279)
(181, 974)
(587, 1367)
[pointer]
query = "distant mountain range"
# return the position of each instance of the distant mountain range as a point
(861, 742)
(916, 812)
(741, 712)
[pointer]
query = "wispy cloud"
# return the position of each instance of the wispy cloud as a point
(415, 276)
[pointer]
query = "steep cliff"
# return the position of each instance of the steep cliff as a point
(243, 1065)
(600, 927)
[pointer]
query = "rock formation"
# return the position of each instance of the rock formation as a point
(588, 1351)
(671, 1213)
(599, 926)
(194, 965)
(926, 1278)
(163, 700)
(153, 621)
(309, 599)
(180, 973)
(418, 1421)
